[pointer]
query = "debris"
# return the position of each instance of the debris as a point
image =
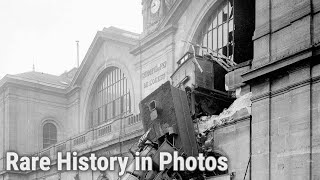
(239, 108)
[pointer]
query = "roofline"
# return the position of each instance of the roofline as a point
(8, 80)
(99, 39)
(111, 33)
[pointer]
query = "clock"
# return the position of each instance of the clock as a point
(155, 5)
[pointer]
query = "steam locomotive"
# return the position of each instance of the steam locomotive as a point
(168, 116)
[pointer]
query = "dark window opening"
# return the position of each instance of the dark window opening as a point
(229, 30)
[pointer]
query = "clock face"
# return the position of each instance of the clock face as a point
(155, 5)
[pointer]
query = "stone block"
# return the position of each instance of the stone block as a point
(261, 51)
(274, 127)
(260, 129)
(315, 71)
(300, 9)
(280, 82)
(299, 74)
(298, 141)
(283, 126)
(300, 104)
(278, 144)
(260, 145)
(260, 167)
(299, 166)
(281, 11)
(280, 106)
(316, 165)
(290, 40)
(316, 25)
(262, 12)
(260, 87)
(316, 5)
(260, 111)
(297, 126)
(233, 79)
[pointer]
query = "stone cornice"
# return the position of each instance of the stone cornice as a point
(286, 89)
(276, 65)
(39, 101)
(12, 81)
(152, 39)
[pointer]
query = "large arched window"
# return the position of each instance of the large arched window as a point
(111, 98)
(228, 30)
(218, 32)
(49, 134)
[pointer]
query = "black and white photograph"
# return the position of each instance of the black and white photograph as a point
(160, 90)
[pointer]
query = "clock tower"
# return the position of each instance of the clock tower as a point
(154, 11)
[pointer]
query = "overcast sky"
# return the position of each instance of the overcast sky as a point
(44, 32)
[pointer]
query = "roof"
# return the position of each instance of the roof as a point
(110, 34)
(62, 81)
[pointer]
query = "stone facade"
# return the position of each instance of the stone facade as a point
(279, 141)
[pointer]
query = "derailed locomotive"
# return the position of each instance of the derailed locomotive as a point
(168, 116)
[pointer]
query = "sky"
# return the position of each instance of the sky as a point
(44, 32)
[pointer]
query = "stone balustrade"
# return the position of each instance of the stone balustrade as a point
(102, 136)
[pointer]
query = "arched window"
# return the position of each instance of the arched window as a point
(111, 98)
(49, 135)
(218, 32)
(228, 30)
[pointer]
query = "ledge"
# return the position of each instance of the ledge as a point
(276, 65)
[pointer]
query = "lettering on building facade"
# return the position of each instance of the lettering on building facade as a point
(154, 76)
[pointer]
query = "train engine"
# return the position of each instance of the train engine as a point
(168, 116)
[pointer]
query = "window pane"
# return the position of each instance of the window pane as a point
(49, 135)
(219, 52)
(230, 9)
(225, 34)
(220, 17)
(219, 36)
(109, 111)
(214, 22)
(231, 25)
(215, 38)
(108, 101)
(225, 13)
(210, 39)
(121, 104)
(218, 31)
(225, 51)
(205, 42)
(98, 115)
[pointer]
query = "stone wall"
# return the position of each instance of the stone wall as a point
(233, 140)
(285, 125)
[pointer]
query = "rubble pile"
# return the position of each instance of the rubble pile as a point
(241, 107)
